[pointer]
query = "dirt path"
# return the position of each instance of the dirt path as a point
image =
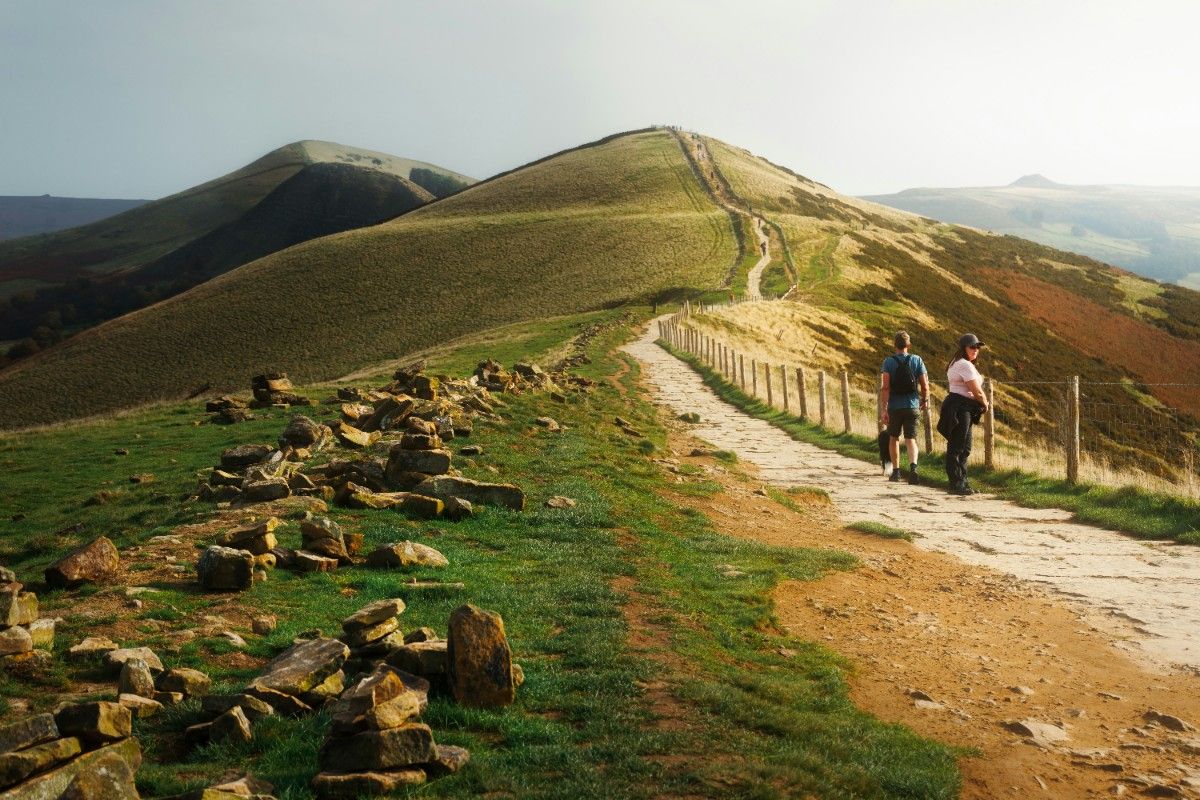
(754, 279)
(1147, 594)
(952, 647)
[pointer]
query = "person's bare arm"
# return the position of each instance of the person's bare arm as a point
(975, 387)
(924, 389)
(885, 391)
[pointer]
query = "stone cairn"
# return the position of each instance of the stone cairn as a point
(410, 419)
(83, 751)
(25, 640)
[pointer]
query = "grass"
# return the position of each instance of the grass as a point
(589, 229)
(1139, 513)
(880, 530)
(571, 584)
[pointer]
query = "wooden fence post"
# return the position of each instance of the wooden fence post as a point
(767, 375)
(784, 388)
(927, 421)
(754, 377)
(742, 366)
(879, 403)
(821, 392)
(846, 398)
(800, 390)
(1073, 430)
(989, 425)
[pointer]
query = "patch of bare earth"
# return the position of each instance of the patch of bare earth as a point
(955, 652)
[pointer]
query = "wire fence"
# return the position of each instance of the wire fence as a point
(1111, 433)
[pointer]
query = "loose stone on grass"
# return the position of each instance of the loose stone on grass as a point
(136, 678)
(114, 660)
(95, 723)
(479, 659)
(225, 569)
(406, 554)
(95, 562)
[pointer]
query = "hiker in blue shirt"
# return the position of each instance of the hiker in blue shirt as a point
(903, 394)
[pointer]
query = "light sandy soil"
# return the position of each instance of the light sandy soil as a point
(984, 646)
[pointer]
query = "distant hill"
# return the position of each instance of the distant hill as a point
(1154, 231)
(620, 219)
(53, 284)
(26, 216)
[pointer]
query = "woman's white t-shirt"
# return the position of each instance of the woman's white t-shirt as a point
(960, 375)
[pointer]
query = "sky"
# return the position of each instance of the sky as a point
(142, 98)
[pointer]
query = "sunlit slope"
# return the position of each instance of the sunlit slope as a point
(866, 271)
(147, 232)
(599, 225)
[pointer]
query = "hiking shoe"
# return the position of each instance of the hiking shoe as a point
(913, 478)
(895, 476)
(962, 490)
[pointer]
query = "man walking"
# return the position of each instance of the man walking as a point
(902, 395)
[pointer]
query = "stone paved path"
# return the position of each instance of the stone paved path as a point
(1154, 586)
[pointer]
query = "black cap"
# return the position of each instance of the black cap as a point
(968, 339)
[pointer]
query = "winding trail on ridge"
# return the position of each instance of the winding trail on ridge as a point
(1146, 594)
(754, 279)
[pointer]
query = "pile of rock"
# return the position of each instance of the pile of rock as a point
(376, 743)
(25, 639)
(274, 389)
(80, 751)
(227, 410)
(372, 633)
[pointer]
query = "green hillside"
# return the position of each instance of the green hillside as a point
(599, 225)
(150, 231)
(1154, 231)
(867, 270)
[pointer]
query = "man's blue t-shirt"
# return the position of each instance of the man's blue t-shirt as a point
(890, 365)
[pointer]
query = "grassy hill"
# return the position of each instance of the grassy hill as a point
(55, 285)
(30, 215)
(623, 218)
(866, 271)
(1154, 231)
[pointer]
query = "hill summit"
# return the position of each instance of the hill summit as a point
(1036, 181)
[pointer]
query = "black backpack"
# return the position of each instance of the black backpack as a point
(903, 381)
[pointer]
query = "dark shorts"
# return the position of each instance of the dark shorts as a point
(905, 418)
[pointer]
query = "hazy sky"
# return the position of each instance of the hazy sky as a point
(141, 98)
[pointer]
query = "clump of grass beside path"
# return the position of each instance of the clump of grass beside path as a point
(1145, 515)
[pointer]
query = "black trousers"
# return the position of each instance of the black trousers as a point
(958, 446)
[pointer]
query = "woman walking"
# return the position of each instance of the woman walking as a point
(962, 408)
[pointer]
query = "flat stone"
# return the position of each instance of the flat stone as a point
(95, 562)
(110, 778)
(140, 707)
(189, 682)
(18, 608)
(225, 569)
(479, 659)
(373, 614)
(41, 631)
(476, 492)
(447, 759)
(305, 561)
(406, 554)
(303, 666)
(428, 462)
(14, 641)
(352, 437)
(282, 703)
(421, 658)
(253, 707)
(458, 509)
(95, 723)
(379, 701)
(232, 726)
(53, 784)
(1168, 721)
(320, 528)
(420, 441)
(136, 678)
(114, 659)
(264, 625)
(327, 690)
(248, 533)
(26, 732)
(168, 698)
(15, 767)
(303, 432)
(266, 490)
(91, 647)
(558, 501)
(1042, 733)
(409, 744)
(353, 785)
(357, 637)
(244, 455)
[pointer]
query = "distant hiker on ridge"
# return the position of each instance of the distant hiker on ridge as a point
(903, 393)
(962, 408)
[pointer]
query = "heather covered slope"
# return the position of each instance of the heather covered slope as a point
(599, 225)
(864, 271)
(30, 215)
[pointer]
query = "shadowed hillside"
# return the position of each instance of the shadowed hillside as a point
(52, 286)
(866, 271)
(591, 227)
(30, 215)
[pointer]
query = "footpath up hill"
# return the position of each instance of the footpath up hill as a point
(590, 227)
(861, 271)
